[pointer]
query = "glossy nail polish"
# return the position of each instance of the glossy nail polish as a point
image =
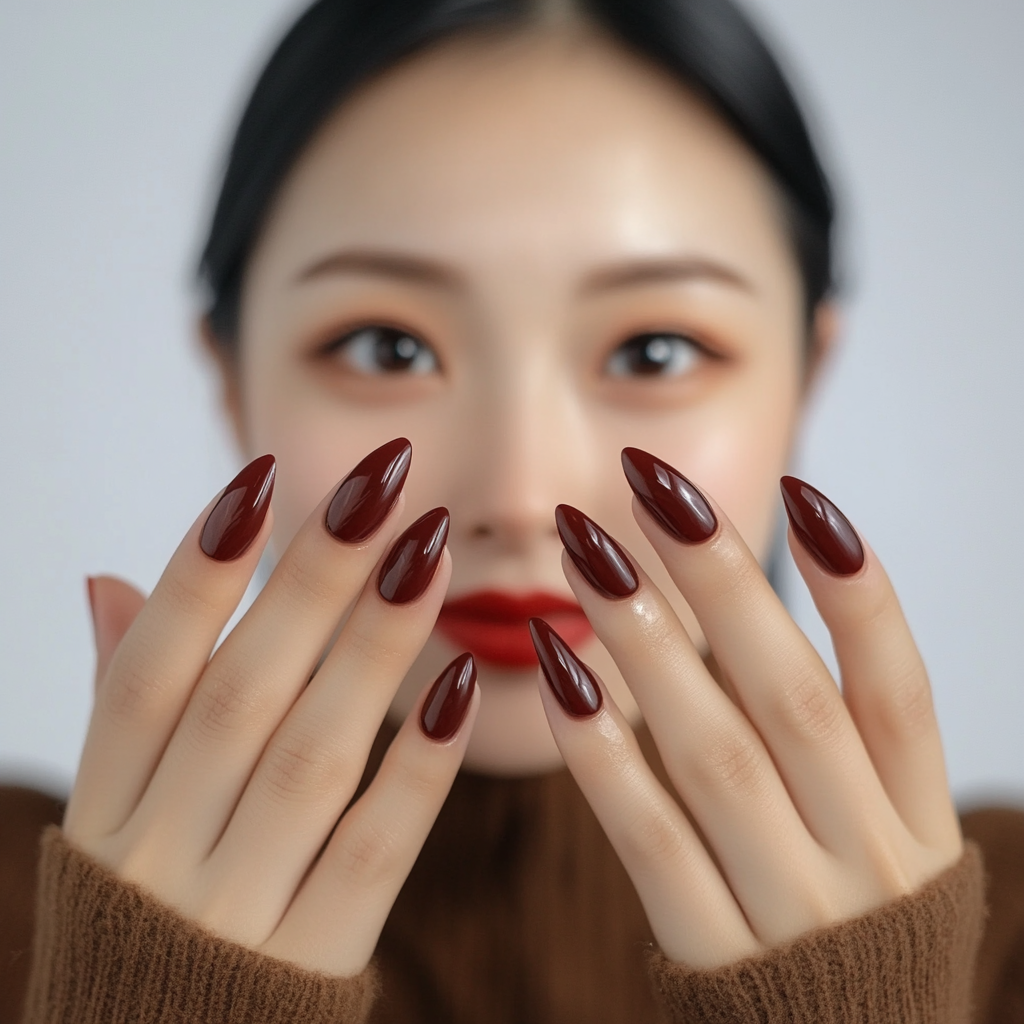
(673, 502)
(237, 518)
(570, 680)
(366, 496)
(412, 561)
(602, 563)
(448, 701)
(821, 528)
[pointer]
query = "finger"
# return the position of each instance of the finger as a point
(715, 759)
(312, 765)
(782, 684)
(693, 914)
(114, 606)
(267, 659)
(376, 844)
(885, 683)
(250, 687)
(153, 671)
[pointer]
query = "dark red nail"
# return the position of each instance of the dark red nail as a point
(412, 561)
(674, 503)
(446, 705)
(570, 680)
(604, 565)
(366, 496)
(822, 529)
(237, 518)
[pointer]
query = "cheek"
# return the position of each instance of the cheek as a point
(315, 447)
(741, 467)
(317, 441)
(735, 449)
(752, 452)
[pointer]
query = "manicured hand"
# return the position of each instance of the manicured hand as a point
(796, 806)
(218, 781)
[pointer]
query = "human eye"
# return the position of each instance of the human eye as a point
(376, 350)
(655, 354)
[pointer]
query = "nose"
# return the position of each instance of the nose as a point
(523, 451)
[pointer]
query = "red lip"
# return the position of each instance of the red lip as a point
(494, 626)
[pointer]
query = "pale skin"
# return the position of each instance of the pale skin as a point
(522, 207)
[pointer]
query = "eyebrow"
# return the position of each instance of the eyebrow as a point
(400, 266)
(434, 273)
(664, 269)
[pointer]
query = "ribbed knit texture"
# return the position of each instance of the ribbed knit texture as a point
(108, 953)
(910, 961)
(517, 912)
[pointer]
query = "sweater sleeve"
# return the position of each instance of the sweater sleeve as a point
(106, 952)
(910, 961)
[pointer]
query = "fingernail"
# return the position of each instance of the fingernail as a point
(446, 705)
(570, 680)
(674, 503)
(412, 561)
(603, 564)
(366, 496)
(822, 529)
(237, 518)
(90, 593)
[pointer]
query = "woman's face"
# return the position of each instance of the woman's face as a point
(523, 254)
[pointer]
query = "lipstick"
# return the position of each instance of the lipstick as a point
(495, 625)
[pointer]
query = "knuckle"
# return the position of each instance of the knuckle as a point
(738, 578)
(908, 709)
(304, 580)
(417, 781)
(878, 604)
(372, 648)
(655, 839)
(811, 707)
(299, 767)
(223, 702)
(730, 763)
(185, 597)
(132, 693)
(367, 853)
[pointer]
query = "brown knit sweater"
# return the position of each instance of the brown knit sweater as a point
(517, 911)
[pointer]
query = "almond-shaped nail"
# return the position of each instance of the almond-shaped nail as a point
(600, 560)
(366, 496)
(672, 500)
(413, 559)
(822, 529)
(570, 680)
(237, 518)
(446, 705)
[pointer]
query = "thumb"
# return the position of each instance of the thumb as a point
(114, 605)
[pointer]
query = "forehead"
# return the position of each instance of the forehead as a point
(541, 145)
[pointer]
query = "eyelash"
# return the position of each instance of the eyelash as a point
(661, 350)
(367, 345)
(415, 357)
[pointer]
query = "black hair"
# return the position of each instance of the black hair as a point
(337, 45)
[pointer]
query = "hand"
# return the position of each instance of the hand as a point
(798, 806)
(216, 781)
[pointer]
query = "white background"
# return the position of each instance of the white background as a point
(113, 119)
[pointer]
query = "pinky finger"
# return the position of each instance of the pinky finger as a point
(335, 920)
(885, 683)
(693, 914)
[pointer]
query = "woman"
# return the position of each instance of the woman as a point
(532, 239)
